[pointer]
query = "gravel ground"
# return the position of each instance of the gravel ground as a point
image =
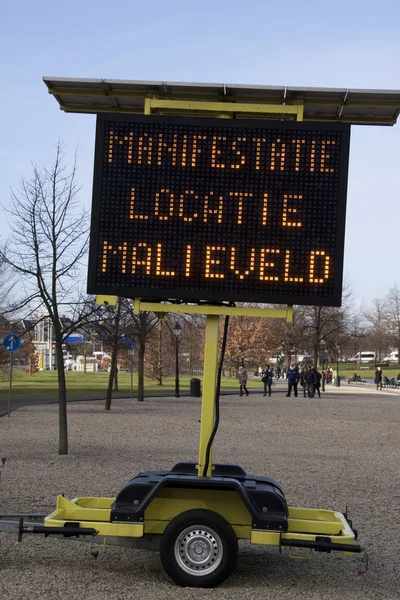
(341, 450)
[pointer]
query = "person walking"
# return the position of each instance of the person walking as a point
(310, 381)
(266, 378)
(317, 384)
(292, 379)
(303, 381)
(378, 378)
(242, 379)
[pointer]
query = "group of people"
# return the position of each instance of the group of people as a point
(266, 377)
(308, 377)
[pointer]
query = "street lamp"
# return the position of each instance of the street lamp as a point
(176, 330)
(323, 344)
(337, 365)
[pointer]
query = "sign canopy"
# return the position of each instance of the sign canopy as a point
(218, 209)
(354, 106)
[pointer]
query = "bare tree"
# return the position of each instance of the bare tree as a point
(49, 241)
(191, 343)
(141, 327)
(6, 281)
(158, 353)
(290, 336)
(376, 317)
(357, 334)
(328, 323)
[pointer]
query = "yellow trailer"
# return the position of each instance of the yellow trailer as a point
(195, 513)
(195, 527)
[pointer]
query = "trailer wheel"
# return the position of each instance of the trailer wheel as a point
(198, 549)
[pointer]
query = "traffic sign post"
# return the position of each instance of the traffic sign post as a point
(11, 343)
(10, 386)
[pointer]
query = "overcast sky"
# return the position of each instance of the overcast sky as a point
(347, 44)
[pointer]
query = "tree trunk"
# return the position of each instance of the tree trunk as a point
(141, 371)
(62, 395)
(113, 368)
(116, 373)
(315, 354)
(114, 357)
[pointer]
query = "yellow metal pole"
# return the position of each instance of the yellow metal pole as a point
(208, 397)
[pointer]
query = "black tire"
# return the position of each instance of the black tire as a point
(198, 549)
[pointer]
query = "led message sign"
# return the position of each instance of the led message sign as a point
(214, 209)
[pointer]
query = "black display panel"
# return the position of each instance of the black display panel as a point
(214, 209)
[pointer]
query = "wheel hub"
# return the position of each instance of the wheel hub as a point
(198, 550)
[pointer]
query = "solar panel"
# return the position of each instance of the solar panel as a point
(357, 107)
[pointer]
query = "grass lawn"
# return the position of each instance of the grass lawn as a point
(44, 383)
(347, 370)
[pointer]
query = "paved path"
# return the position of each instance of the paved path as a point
(20, 402)
(279, 388)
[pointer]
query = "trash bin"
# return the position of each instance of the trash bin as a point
(195, 387)
(336, 381)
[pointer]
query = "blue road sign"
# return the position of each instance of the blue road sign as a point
(11, 342)
(125, 339)
(75, 338)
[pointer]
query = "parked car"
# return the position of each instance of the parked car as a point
(363, 357)
(392, 357)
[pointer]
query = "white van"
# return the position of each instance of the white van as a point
(392, 357)
(363, 357)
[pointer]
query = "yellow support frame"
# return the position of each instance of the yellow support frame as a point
(222, 108)
(212, 312)
(208, 398)
(208, 309)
